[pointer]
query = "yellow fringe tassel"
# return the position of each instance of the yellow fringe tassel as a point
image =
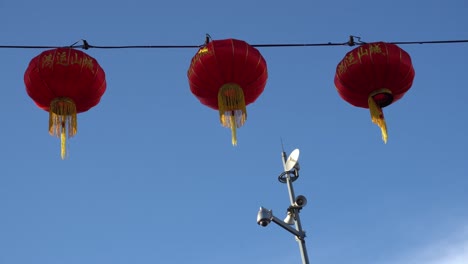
(232, 110)
(63, 143)
(233, 131)
(378, 117)
(62, 121)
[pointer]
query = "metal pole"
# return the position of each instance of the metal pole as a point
(292, 197)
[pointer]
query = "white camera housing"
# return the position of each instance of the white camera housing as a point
(264, 216)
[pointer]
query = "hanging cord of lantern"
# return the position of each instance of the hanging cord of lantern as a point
(352, 41)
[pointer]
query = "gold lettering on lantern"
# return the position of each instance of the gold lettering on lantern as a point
(88, 63)
(75, 59)
(350, 60)
(61, 58)
(342, 67)
(202, 52)
(375, 48)
(372, 49)
(346, 62)
(47, 61)
(361, 52)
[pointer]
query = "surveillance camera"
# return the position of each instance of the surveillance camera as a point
(264, 222)
(264, 216)
(300, 201)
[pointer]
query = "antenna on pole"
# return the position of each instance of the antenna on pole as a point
(283, 153)
(282, 146)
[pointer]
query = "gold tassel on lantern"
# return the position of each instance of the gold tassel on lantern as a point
(378, 117)
(62, 121)
(231, 105)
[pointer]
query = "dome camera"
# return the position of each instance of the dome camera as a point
(264, 216)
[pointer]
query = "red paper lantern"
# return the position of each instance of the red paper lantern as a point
(374, 76)
(227, 75)
(64, 82)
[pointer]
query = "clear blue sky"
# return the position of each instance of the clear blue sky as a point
(152, 176)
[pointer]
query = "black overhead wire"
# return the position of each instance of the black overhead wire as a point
(353, 40)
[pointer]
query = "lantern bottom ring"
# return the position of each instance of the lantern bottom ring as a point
(382, 97)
